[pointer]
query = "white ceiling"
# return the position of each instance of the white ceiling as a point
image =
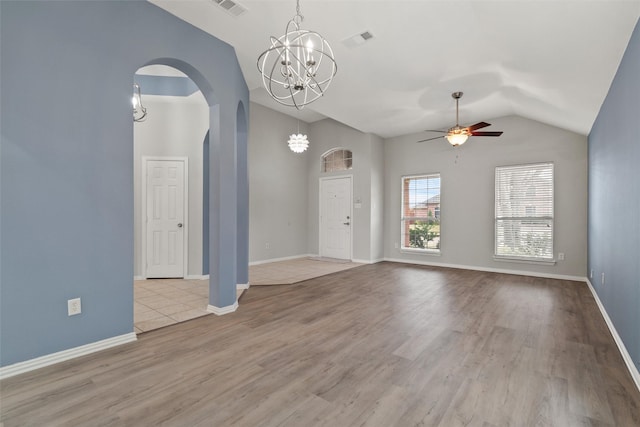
(551, 61)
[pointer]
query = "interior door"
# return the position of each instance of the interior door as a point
(335, 218)
(165, 202)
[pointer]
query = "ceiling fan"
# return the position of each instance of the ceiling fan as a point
(458, 135)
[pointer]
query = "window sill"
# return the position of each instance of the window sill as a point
(432, 252)
(524, 260)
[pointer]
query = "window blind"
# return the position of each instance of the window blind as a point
(524, 211)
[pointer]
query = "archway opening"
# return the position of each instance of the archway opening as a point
(169, 285)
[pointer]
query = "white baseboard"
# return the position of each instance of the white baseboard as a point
(287, 258)
(244, 286)
(219, 311)
(367, 261)
(61, 356)
(188, 277)
(628, 360)
(196, 277)
(490, 270)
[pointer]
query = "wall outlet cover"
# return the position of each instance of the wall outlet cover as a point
(74, 306)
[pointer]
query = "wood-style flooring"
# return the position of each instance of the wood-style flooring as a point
(379, 345)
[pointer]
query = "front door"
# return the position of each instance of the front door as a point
(165, 204)
(335, 217)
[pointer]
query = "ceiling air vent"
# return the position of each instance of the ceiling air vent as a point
(366, 35)
(231, 7)
(358, 39)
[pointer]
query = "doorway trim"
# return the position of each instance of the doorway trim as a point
(143, 210)
(321, 206)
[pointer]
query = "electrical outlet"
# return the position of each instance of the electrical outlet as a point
(560, 256)
(268, 246)
(603, 278)
(397, 245)
(74, 306)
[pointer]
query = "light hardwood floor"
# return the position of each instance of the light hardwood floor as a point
(379, 345)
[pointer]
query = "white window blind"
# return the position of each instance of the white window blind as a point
(524, 211)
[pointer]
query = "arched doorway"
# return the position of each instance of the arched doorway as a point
(168, 199)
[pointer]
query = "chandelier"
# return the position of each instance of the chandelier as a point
(298, 143)
(139, 112)
(298, 67)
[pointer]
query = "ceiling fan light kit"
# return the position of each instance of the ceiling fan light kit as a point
(299, 66)
(458, 135)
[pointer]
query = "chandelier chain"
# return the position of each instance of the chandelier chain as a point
(298, 14)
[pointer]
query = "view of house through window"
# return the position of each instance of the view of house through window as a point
(336, 160)
(524, 211)
(421, 212)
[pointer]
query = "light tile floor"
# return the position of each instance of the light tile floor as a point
(163, 302)
(295, 270)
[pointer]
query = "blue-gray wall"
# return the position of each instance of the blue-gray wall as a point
(66, 165)
(242, 168)
(205, 205)
(614, 200)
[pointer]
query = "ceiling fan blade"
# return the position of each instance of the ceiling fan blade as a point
(478, 125)
(431, 139)
(433, 130)
(486, 133)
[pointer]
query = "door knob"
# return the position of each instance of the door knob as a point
(179, 225)
(346, 223)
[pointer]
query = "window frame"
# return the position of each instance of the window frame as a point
(407, 249)
(528, 203)
(333, 151)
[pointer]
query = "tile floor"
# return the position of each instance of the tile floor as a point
(295, 270)
(163, 302)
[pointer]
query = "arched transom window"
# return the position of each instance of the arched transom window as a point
(337, 159)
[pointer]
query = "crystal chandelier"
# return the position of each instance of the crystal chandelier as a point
(298, 143)
(298, 67)
(139, 112)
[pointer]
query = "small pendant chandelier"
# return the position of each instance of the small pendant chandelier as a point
(298, 67)
(139, 112)
(298, 143)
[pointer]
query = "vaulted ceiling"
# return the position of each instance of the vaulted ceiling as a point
(550, 61)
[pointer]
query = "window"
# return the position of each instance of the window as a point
(336, 160)
(421, 213)
(524, 212)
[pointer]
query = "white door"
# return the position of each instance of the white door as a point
(335, 218)
(165, 203)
